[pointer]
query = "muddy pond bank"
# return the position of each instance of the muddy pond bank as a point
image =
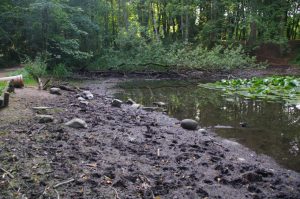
(265, 126)
(127, 153)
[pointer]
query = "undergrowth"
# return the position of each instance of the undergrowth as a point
(134, 53)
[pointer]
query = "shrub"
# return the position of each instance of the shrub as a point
(60, 71)
(36, 68)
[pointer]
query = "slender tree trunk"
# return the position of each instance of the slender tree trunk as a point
(186, 26)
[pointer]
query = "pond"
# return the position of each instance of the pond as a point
(272, 128)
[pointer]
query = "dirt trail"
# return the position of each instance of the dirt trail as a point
(4, 72)
(127, 153)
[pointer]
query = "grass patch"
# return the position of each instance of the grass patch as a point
(28, 79)
(285, 89)
(2, 87)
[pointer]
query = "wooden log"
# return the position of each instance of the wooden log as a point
(16, 80)
(6, 99)
(1, 102)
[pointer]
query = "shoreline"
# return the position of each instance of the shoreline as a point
(130, 153)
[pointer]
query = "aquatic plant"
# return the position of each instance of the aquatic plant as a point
(274, 88)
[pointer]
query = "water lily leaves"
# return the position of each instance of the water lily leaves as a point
(285, 88)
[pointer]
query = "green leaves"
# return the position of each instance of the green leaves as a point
(285, 89)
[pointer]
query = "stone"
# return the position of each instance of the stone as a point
(55, 91)
(77, 123)
(84, 102)
(45, 118)
(88, 95)
(203, 131)
(130, 101)
(243, 124)
(136, 106)
(159, 104)
(189, 124)
(81, 99)
(116, 103)
(298, 106)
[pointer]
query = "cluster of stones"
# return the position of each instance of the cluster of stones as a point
(76, 123)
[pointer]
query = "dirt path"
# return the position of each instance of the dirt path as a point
(126, 153)
(4, 72)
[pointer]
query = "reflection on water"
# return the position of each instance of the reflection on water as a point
(272, 128)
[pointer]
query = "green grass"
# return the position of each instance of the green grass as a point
(2, 87)
(28, 79)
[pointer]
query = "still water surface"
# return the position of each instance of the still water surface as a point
(272, 128)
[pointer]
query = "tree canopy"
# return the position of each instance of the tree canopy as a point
(75, 31)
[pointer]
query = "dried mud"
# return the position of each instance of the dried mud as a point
(128, 153)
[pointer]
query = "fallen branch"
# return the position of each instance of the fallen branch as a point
(7, 172)
(63, 183)
(116, 193)
(57, 193)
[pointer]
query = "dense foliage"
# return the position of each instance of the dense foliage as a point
(270, 88)
(137, 33)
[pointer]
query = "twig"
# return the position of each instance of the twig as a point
(58, 197)
(38, 131)
(63, 183)
(7, 172)
(116, 193)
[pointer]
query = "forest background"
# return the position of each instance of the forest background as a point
(133, 35)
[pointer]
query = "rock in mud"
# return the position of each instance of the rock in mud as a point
(88, 95)
(116, 103)
(55, 91)
(203, 131)
(243, 124)
(45, 118)
(130, 101)
(84, 102)
(136, 106)
(77, 123)
(159, 104)
(189, 124)
(81, 99)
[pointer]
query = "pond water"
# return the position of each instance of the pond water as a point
(272, 128)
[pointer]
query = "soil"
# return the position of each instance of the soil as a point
(125, 153)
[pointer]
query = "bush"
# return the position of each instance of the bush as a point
(134, 52)
(36, 68)
(60, 71)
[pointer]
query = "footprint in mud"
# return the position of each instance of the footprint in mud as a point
(202, 193)
(186, 156)
(225, 169)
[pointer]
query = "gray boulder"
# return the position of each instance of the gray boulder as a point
(45, 118)
(77, 123)
(116, 103)
(55, 91)
(189, 124)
